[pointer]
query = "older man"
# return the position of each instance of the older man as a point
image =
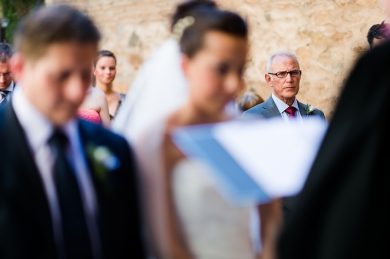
(6, 82)
(67, 187)
(284, 76)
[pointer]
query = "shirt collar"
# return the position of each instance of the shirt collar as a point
(282, 106)
(11, 87)
(38, 127)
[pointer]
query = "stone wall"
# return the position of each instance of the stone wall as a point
(326, 35)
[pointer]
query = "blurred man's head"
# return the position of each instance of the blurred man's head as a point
(55, 48)
(378, 34)
(6, 52)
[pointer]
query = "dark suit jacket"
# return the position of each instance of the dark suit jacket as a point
(25, 222)
(343, 209)
(269, 110)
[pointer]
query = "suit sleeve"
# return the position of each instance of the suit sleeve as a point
(321, 115)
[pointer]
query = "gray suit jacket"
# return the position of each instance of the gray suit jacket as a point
(269, 110)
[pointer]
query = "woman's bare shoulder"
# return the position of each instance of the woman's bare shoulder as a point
(97, 92)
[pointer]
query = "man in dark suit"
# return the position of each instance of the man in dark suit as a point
(284, 75)
(343, 208)
(6, 83)
(67, 187)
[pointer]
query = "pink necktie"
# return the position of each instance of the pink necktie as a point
(291, 111)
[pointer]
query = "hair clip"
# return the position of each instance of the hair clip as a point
(180, 26)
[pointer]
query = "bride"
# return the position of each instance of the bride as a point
(187, 216)
(190, 218)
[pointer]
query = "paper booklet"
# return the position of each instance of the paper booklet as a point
(254, 161)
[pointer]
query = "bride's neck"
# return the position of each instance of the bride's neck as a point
(189, 114)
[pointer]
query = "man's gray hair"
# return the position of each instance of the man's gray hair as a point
(6, 52)
(279, 53)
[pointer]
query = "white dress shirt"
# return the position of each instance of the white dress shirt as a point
(10, 87)
(282, 106)
(38, 130)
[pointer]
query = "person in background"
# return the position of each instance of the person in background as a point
(283, 75)
(104, 70)
(249, 100)
(343, 208)
(95, 107)
(59, 196)
(378, 34)
(6, 81)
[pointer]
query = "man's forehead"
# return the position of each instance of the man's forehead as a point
(4, 66)
(65, 52)
(284, 60)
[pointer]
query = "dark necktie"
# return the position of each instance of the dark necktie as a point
(74, 227)
(3, 95)
(291, 111)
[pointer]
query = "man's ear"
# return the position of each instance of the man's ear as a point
(268, 79)
(17, 65)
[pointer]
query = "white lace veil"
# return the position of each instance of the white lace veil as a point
(159, 88)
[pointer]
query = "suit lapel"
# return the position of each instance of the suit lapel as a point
(302, 109)
(27, 191)
(17, 139)
(86, 140)
(270, 110)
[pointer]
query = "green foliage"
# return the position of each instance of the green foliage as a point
(14, 10)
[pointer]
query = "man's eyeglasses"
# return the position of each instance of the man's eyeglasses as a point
(283, 74)
(8, 74)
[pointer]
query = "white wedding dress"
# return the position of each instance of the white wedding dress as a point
(213, 228)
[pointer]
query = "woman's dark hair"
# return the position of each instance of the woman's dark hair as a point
(103, 53)
(207, 17)
(378, 31)
(249, 100)
(186, 8)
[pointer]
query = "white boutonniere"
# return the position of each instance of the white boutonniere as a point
(103, 161)
(310, 109)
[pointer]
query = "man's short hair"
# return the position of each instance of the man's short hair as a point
(378, 31)
(6, 52)
(279, 53)
(53, 24)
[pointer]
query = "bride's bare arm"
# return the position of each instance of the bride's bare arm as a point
(177, 247)
(271, 221)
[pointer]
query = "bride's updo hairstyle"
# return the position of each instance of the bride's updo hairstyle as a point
(207, 17)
